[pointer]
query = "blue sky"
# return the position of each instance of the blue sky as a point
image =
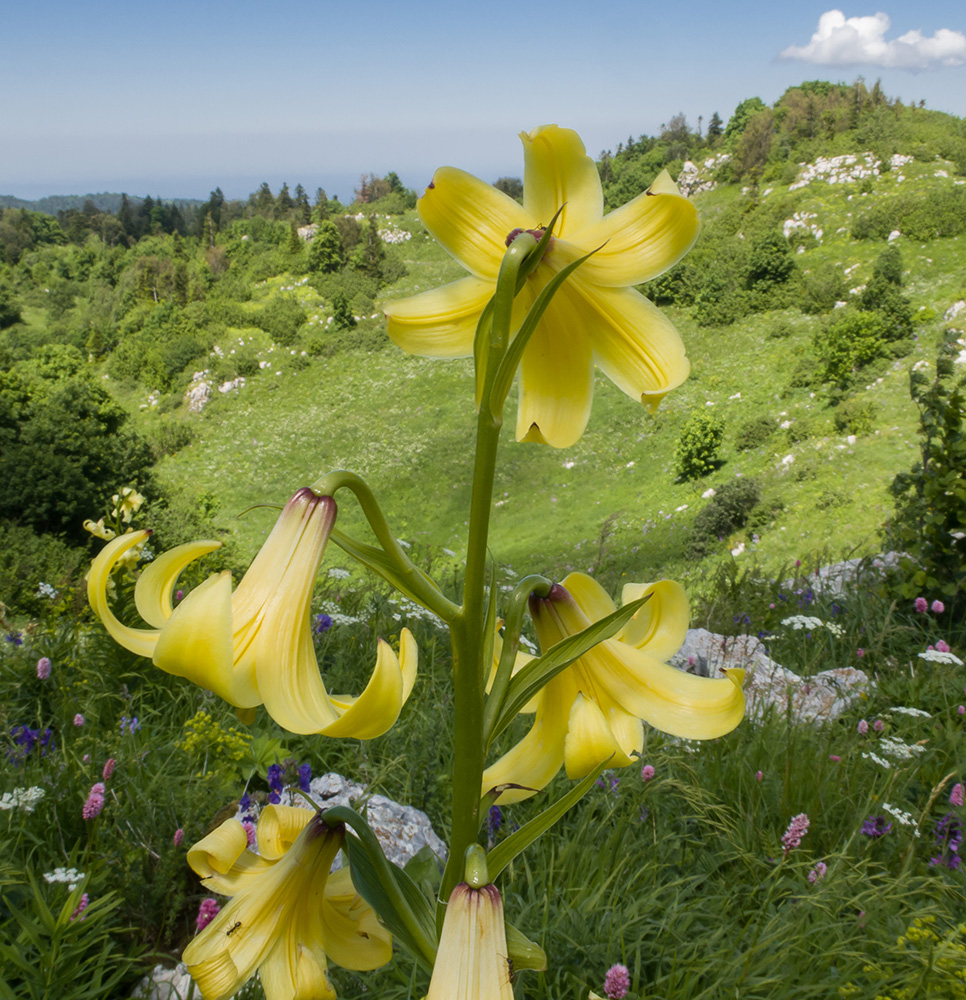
(174, 98)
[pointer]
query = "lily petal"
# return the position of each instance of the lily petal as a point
(472, 219)
(440, 323)
(556, 374)
(640, 240)
(223, 859)
(152, 592)
(559, 173)
(139, 641)
(661, 626)
(635, 345)
(589, 739)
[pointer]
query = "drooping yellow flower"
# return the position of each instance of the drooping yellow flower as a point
(593, 710)
(254, 646)
(594, 319)
(126, 504)
(287, 913)
(473, 961)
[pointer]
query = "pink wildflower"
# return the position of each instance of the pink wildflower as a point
(78, 719)
(86, 758)
(961, 710)
(647, 772)
(922, 605)
(108, 769)
(43, 668)
(617, 982)
(878, 725)
(797, 829)
(81, 906)
(178, 837)
(759, 775)
(95, 802)
(942, 646)
(818, 872)
(860, 652)
(863, 727)
(937, 607)
(249, 829)
(956, 796)
(206, 912)
(834, 757)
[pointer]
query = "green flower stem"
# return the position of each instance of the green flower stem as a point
(467, 633)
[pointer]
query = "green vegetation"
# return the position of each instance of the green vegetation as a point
(215, 358)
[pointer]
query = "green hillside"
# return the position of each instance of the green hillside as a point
(802, 317)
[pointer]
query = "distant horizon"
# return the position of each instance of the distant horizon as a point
(233, 94)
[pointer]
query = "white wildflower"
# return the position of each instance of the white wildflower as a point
(21, 798)
(899, 816)
(69, 876)
(878, 760)
(916, 712)
(938, 656)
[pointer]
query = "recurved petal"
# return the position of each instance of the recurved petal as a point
(139, 641)
(589, 739)
(471, 219)
(278, 829)
(590, 596)
(223, 860)
(440, 323)
(559, 173)
(534, 761)
(378, 707)
(152, 593)
(660, 627)
(557, 373)
(196, 643)
(669, 699)
(640, 240)
(635, 345)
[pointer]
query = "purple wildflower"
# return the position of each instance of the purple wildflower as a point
(178, 837)
(878, 725)
(78, 719)
(275, 783)
(922, 605)
(862, 727)
(647, 772)
(494, 820)
(949, 838)
(108, 769)
(876, 826)
(942, 646)
(956, 795)
(305, 778)
(617, 982)
(15, 637)
(818, 872)
(321, 623)
(43, 668)
(81, 906)
(937, 607)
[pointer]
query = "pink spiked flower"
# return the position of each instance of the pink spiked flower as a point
(81, 906)
(95, 802)
(818, 872)
(78, 720)
(863, 727)
(43, 668)
(647, 772)
(207, 912)
(922, 605)
(797, 829)
(617, 982)
(108, 768)
(178, 837)
(942, 646)
(956, 796)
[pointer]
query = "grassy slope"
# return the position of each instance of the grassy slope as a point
(403, 423)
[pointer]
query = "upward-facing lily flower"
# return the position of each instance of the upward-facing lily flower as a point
(596, 318)
(593, 710)
(254, 646)
(287, 912)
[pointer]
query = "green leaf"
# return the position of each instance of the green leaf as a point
(387, 888)
(524, 953)
(531, 678)
(517, 842)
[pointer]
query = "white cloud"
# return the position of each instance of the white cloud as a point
(861, 41)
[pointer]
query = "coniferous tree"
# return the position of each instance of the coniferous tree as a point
(321, 205)
(715, 126)
(302, 208)
(283, 203)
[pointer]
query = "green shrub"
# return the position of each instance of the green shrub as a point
(727, 511)
(855, 415)
(27, 560)
(930, 517)
(824, 286)
(753, 433)
(770, 262)
(850, 341)
(697, 450)
(281, 319)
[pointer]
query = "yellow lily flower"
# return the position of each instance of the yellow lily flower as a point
(287, 912)
(595, 318)
(254, 646)
(594, 709)
(473, 961)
